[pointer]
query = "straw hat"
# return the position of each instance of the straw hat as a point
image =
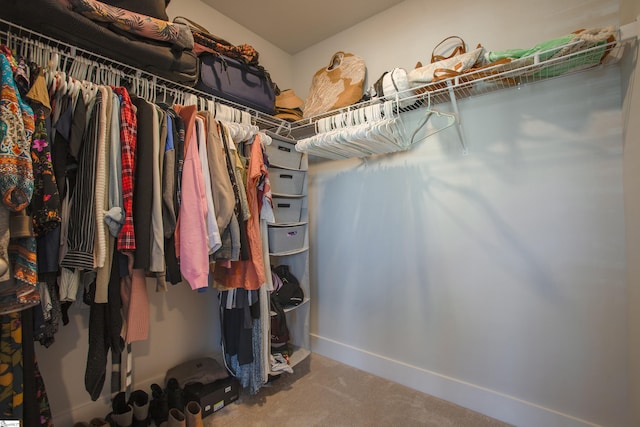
(290, 115)
(288, 99)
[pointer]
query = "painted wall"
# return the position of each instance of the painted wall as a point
(629, 12)
(496, 280)
(407, 33)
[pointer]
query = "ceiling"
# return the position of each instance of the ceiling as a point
(294, 25)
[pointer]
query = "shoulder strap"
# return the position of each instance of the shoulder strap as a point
(458, 50)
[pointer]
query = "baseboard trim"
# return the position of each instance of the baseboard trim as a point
(498, 405)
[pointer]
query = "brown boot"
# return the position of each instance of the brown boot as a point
(98, 422)
(193, 412)
(176, 418)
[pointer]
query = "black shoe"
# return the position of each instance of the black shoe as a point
(175, 395)
(159, 406)
(192, 392)
(122, 415)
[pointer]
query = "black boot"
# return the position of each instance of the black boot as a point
(159, 407)
(175, 395)
(122, 415)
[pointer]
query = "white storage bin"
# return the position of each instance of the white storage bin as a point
(283, 153)
(286, 209)
(286, 239)
(285, 181)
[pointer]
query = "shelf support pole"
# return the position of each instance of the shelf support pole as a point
(454, 104)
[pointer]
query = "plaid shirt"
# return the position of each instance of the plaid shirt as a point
(128, 141)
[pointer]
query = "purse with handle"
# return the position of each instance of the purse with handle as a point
(338, 85)
(444, 66)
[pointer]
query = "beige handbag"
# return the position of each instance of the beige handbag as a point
(458, 62)
(338, 85)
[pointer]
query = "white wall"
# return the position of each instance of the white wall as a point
(407, 33)
(496, 280)
(629, 12)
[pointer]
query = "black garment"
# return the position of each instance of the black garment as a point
(105, 324)
(60, 155)
(142, 190)
(114, 320)
(178, 143)
(45, 329)
(172, 263)
(31, 413)
(237, 324)
(36, 403)
(48, 249)
(95, 372)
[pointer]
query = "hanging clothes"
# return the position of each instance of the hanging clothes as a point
(249, 274)
(82, 225)
(18, 289)
(156, 262)
(193, 209)
(172, 175)
(19, 374)
(240, 318)
(123, 187)
(107, 203)
(223, 198)
(214, 241)
(143, 196)
(129, 142)
(45, 212)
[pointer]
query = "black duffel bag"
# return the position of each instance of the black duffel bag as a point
(237, 81)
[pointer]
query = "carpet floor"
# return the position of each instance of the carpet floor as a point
(323, 392)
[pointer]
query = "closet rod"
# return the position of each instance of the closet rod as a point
(9, 29)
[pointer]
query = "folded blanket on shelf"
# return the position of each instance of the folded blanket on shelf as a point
(55, 18)
(178, 35)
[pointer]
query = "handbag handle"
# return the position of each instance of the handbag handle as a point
(336, 60)
(472, 73)
(458, 50)
(444, 73)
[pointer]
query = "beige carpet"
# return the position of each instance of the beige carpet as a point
(322, 392)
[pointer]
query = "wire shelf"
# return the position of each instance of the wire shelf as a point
(102, 68)
(514, 74)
